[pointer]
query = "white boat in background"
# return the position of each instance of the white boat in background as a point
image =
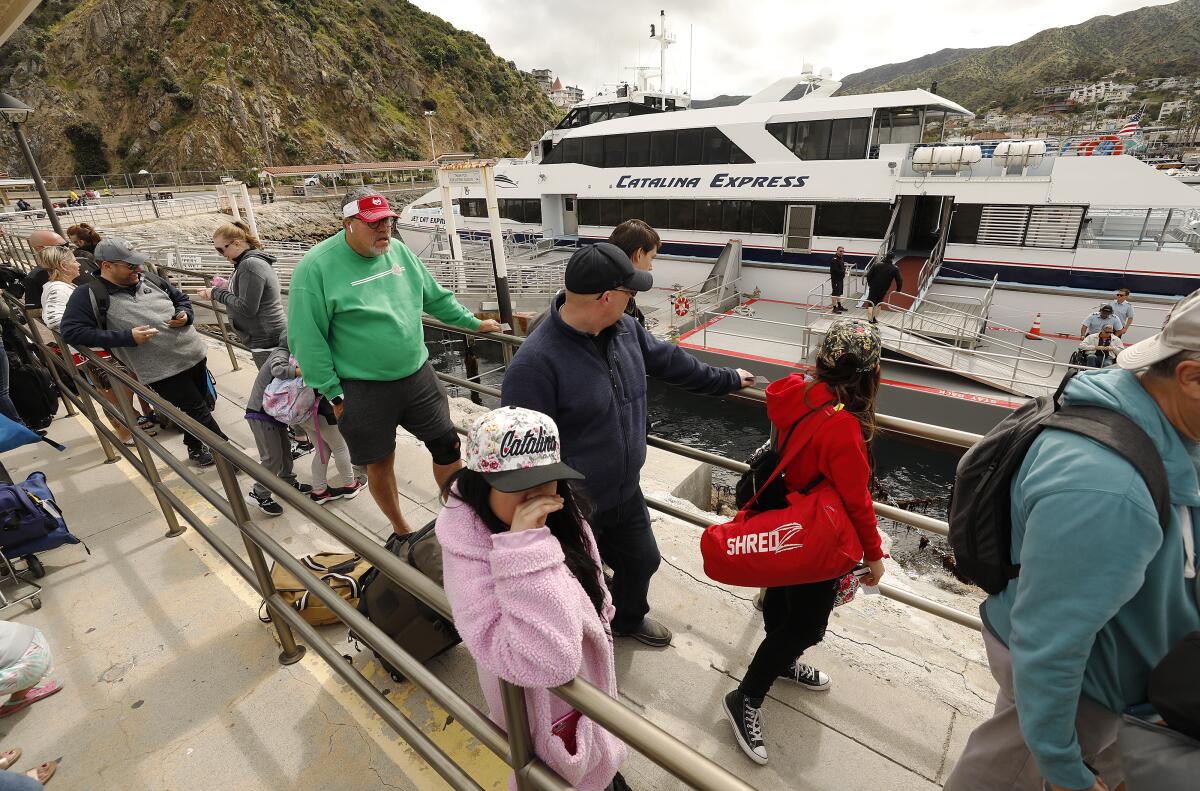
(991, 239)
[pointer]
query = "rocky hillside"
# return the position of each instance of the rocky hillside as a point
(119, 85)
(1155, 41)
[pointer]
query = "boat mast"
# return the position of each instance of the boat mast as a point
(665, 40)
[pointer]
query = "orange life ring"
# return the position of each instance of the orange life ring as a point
(682, 305)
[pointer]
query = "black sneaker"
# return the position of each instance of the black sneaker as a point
(650, 632)
(200, 457)
(806, 676)
(265, 503)
(348, 492)
(325, 495)
(874, 321)
(747, 726)
(303, 488)
(301, 449)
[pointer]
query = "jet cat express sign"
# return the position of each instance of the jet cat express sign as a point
(719, 180)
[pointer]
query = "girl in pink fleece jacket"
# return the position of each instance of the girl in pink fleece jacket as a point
(523, 577)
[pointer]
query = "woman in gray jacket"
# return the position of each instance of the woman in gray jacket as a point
(251, 296)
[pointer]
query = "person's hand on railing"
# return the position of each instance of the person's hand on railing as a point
(746, 377)
(490, 325)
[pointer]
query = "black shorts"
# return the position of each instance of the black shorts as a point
(877, 296)
(836, 285)
(373, 410)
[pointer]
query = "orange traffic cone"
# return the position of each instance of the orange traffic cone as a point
(1035, 331)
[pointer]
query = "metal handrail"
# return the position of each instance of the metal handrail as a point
(615, 716)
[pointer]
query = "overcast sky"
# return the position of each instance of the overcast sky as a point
(744, 45)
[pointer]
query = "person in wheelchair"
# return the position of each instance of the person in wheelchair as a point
(1100, 349)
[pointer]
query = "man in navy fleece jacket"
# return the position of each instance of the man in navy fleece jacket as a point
(585, 366)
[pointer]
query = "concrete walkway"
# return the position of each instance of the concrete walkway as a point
(172, 683)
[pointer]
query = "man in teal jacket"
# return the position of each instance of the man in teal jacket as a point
(1104, 593)
(354, 326)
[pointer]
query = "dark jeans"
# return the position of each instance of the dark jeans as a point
(187, 390)
(627, 545)
(795, 617)
(7, 408)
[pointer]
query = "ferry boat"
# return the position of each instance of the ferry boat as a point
(997, 242)
(795, 171)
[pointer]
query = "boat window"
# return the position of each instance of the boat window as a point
(614, 151)
(812, 140)
(597, 115)
(472, 207)
(857, 220)
(737, 215)
(632, 209)
(716, 147)
(662, 148)
(589, 211)
(593, 151)
(533, 209)
(555, 156)
(708, 215)
(898, 125)
(964, 227)
(860, 130)
(657, 214)
(768, 218)
(688, 146)
(638, 150)
(610, 212)
(683, 215)
(738, 156)
(841, 138)
(572, 150)
(512, 209)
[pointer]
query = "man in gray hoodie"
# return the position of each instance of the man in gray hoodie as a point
(147, 323)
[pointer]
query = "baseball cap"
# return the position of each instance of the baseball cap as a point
(372, 208)
(114, 248)
(516, 449)
(1181, 334)
(1106, 308)
(849, 337)
(1173, 689)
(602, 267)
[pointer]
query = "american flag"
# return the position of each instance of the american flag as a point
(1131, 126)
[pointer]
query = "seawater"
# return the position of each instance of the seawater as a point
(904, 472)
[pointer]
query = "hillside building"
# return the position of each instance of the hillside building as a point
(565, 97)
(1104, 90)
(544, 78)
(1168, 108)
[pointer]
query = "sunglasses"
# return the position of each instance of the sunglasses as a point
(386, 222)
(220, 248)
(626, 291)
(127, 265)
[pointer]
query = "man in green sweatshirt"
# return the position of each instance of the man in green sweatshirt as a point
(354, 325)
(1104, 591)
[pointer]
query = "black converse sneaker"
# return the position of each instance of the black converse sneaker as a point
(806, 676)
(747, 726)
(266, 503)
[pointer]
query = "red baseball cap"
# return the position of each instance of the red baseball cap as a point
(369, 209)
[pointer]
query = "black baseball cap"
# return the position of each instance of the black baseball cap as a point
(603, 267)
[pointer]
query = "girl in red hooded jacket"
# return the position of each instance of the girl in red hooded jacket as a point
(795, 616)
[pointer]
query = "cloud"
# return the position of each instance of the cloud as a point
(741, 47)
